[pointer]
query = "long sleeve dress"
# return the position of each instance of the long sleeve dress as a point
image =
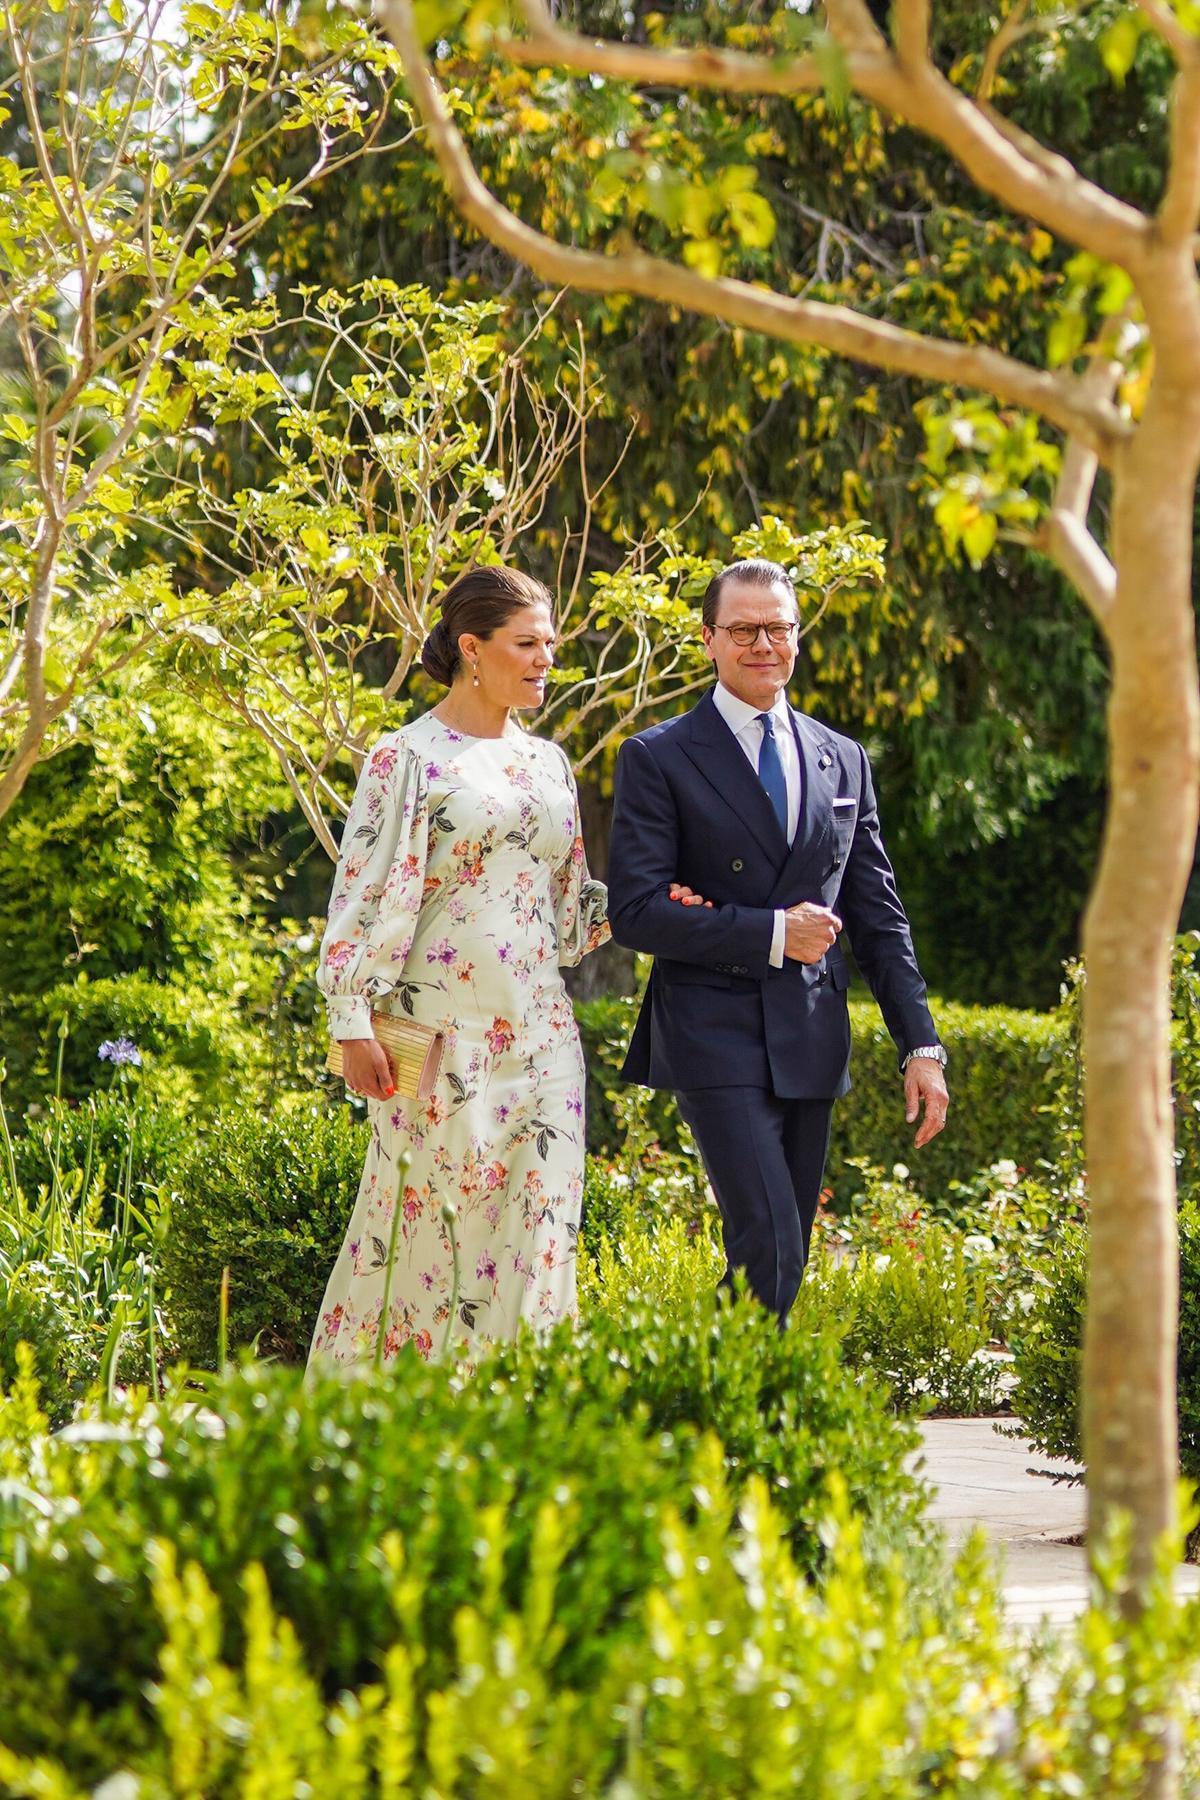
(461, 891)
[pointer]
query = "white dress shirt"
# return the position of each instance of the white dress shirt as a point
(745, 724)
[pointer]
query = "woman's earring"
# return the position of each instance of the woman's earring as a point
(474, 674)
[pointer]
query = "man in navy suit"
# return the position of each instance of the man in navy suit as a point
(771, 818)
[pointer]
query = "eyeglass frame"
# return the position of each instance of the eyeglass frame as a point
(787, 626)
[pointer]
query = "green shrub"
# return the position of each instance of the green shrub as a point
(916, 1315)
(117, 862)
(268, 1198)
(602, 1427)
(1048, 1351)
(194, 1047)
(1048, 1341)
(657, 1184)
(1002, 1072)
(640, 1262)
(114, 1134)
(1003, 1222)
(722, 1671)
(1048, 1348)
(38, 1312)
(116, 857)
(76, 1240)
(1002, 1067)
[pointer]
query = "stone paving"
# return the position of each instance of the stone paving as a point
(982, 1477)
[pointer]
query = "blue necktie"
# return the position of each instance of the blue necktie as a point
(770, 771)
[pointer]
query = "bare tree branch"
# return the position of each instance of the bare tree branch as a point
(1014, 28)
(1064, 536)
(735, 71)
(1059, 399)
(1045, 188)
(1171, 29)
(1071, 545)
(910, 23)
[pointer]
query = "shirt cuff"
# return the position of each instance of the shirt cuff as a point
(777, 937)
(349, 1016)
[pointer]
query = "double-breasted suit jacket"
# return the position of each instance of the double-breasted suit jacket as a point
(689, 807)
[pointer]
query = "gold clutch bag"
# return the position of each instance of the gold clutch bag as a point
(415, 1052)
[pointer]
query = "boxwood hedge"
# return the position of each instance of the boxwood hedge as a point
(1003, 1068)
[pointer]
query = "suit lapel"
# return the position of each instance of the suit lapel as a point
(819, 774)
(725, 766)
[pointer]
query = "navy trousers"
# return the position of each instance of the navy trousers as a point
(765, 1158)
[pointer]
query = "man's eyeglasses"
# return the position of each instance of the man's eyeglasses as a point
(778, 632)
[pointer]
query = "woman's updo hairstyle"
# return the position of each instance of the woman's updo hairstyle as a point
(478, 603)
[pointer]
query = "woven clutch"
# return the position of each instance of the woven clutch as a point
(415, 1053)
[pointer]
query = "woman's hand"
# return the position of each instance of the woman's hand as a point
(685, 895)
(366, 1069)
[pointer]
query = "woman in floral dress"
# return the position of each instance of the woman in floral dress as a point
(461, 892)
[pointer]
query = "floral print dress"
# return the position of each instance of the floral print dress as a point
(461, 891)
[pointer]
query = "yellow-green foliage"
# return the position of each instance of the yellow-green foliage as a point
(742, 1678)
(667, 1264)
(918, 1316)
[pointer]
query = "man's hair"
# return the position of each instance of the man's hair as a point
(756, 571)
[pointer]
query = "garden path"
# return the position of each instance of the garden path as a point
(981, 1477)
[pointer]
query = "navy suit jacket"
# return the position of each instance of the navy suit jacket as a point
(689, 807)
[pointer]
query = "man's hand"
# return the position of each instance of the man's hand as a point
(366, 1069)
(925, 1083)
(809, 931)
(685, 895)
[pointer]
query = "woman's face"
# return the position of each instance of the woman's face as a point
(513, 662)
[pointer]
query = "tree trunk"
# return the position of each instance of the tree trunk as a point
(1129, 1383)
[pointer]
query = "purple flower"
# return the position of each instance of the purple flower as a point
(120, 1051)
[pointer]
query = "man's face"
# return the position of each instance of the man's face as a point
(757, 673)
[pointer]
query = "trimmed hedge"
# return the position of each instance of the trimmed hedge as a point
(1003, 1067)
(269, 1199)
(1048, 1348)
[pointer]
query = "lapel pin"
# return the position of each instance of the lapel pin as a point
(824, 761)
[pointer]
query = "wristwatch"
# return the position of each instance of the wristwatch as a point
(935, 1052)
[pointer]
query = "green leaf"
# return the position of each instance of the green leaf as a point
(704, 256)
(1118, 285)
(752, 219)
(55, 672)
(979, 537)
(831, 60)
(1118, 46)
(160, 177)
(1065, 338)
(113, 496)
